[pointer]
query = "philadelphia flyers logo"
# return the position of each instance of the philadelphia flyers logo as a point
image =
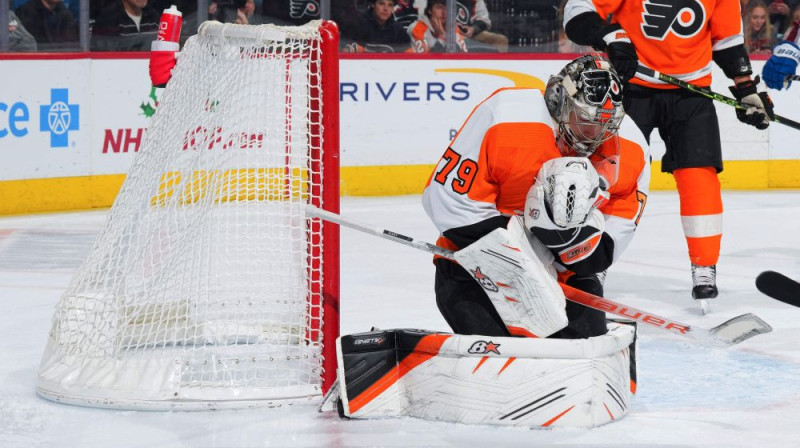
(684, 18)
(304, 8)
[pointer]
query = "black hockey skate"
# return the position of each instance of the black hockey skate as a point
(704, 281)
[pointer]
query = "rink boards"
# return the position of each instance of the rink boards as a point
(68, 140)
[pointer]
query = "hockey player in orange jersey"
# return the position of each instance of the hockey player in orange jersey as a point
(520, 151)
(679, 38)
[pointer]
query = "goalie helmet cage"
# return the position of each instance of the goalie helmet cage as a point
(207, 286)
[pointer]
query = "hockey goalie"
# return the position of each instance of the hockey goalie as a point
(534, 189)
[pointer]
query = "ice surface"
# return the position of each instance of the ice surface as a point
(745, 396)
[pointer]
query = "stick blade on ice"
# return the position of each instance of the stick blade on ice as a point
(779, 287)
(739, 329)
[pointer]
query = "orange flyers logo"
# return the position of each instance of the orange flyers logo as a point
(484, 347)
(484, 281)
(683, 18)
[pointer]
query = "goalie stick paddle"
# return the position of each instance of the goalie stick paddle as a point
(708, 93)
(731, 332)
(779, 287)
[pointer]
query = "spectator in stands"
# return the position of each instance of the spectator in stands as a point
(405, 13)
(125, 25)
(779, 13)
(759, 36)
(376, 31)
(428, 33)
(794, 19)
(50, 23)
(474, 23)
(241, 12)
(19, 39)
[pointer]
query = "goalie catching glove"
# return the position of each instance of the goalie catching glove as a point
(561, 208)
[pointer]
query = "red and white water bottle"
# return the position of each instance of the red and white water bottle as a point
(165, 47)
(169, 29)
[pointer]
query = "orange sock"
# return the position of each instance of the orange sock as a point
(701, 213)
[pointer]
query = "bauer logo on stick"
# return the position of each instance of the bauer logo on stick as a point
(483, 280)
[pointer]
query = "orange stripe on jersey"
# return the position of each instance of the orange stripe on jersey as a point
(674, 37)
(426, 348)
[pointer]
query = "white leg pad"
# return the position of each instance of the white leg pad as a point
(481, 380)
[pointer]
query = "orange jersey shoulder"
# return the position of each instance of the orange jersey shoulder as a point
(492, 161)
(675, 36)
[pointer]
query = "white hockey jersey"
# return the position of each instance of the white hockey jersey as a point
(493, 161)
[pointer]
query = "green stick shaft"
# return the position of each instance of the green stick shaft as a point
(708, 93)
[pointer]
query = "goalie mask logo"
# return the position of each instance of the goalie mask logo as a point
(684, 18)
(484, 281)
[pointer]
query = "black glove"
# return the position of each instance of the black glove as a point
(621, 52)
(758, 105)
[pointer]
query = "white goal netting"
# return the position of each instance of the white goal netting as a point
(205, 286)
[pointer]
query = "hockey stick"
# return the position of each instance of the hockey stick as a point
(708, 93)
(792, 78)
(731, 332)
(779, 287)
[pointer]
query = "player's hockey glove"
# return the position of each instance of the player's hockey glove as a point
(758, 105)
(621, 52)
(782, 63)
(561, 208)
(163, 56)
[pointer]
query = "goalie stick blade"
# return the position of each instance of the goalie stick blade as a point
(779, 287)
(740, 328)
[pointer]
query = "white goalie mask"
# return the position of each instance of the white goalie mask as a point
(585, 101)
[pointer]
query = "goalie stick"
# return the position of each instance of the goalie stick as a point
(779, 287)
(708, 93)
(730, 332)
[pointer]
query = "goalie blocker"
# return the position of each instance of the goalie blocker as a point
(476, 379)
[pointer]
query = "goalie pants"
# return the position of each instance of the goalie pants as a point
(468, 310)
(688, 124)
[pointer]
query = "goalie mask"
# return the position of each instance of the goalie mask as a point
(585, 101)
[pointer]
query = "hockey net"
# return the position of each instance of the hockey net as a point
(207, 286)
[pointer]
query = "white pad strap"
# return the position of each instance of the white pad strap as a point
(521, 287)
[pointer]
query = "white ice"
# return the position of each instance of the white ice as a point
(745, 396)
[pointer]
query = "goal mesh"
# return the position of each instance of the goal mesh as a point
(205, 286)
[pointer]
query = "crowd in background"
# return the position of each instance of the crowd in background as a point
(522, 26)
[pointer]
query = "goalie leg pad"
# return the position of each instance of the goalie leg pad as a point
(486, 380)
(522, 289)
